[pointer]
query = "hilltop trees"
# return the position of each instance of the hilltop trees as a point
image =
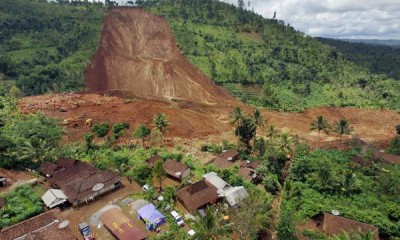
(320, 124)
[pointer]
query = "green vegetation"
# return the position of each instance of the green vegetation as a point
(292, 71)
(101, 129)
(46, 46)
(26, 140)
(327, 179)
(21, 204)
(394, 147)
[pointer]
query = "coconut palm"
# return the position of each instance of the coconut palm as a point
(320, 124)
(258, 121)
(342, 127)
(211, 226)
(237, 116)
(271, 131)
(284, 144)
(160, 122)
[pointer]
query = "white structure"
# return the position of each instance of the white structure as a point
(54, 197)
(215, 180)
(233, 195)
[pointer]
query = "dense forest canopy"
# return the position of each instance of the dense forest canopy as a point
(265, 62)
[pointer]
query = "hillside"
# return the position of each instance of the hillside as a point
(243, 51)
(138, 56)
(377, 58)
(264, 62)
(44, 47)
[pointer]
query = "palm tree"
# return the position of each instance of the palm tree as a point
(320, 124)
(159, 172)
(211, 226)
(160, 121)
(258, 121)
(271, 131)
(237, 116)
(284, 144)
(342, 127)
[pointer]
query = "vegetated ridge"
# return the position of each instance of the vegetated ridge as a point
(138, 56)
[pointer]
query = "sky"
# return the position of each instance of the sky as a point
(351, 19)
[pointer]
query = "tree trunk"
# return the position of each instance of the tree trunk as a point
(318, 139)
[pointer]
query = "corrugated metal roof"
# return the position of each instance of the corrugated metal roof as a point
(121, 226)
(215, 180)
(54, 197)
(234, 195)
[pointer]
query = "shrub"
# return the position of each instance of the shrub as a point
(271, 184)
(101, 129)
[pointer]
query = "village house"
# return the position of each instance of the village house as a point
(120, 226)
(53, 198)
(81, 182)
(247, 170)
(197, 195)
(46, 226)
(232, 195)
(176, 170)
(333, 225)
(152, 160)
(226, 159)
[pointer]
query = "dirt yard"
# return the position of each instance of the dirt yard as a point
(15, 178)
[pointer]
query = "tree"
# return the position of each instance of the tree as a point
(342, 127)
(89, 141)
(211, 226)
(320, 124)
(258, 121)
(252, 216)
(286, 229)
(160, 122)
(284, 144)
(237, 116)
(15, 92)
(158, 172)
(398, 129)
(245, 131)
(142, 131)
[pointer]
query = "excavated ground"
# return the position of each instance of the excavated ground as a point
(204, 123)
(138, 57)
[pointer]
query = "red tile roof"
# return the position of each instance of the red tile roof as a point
(48, 168)
(221, 161)
(246, 173)
(38, 228)
(151, 161)
(73, 172)
(335, 225)
(172, 167)
(81, 189)
(197, 195)
(253, 164)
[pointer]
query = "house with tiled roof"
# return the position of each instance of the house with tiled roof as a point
(247, 170)
(333, 225)
(81, 182)
(176, 170)
(197, 195)
(45, 226)
(152, 160)
(226, 159)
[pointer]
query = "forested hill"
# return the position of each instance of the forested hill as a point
(379, 59)
(46, 46)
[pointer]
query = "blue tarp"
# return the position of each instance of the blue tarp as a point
(151, 216)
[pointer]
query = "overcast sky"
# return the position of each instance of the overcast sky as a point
(368, 19)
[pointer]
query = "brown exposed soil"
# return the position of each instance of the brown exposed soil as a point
(138, 57)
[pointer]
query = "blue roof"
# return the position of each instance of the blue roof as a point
(150, 213)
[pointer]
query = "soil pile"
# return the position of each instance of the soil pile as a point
(138, 57)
